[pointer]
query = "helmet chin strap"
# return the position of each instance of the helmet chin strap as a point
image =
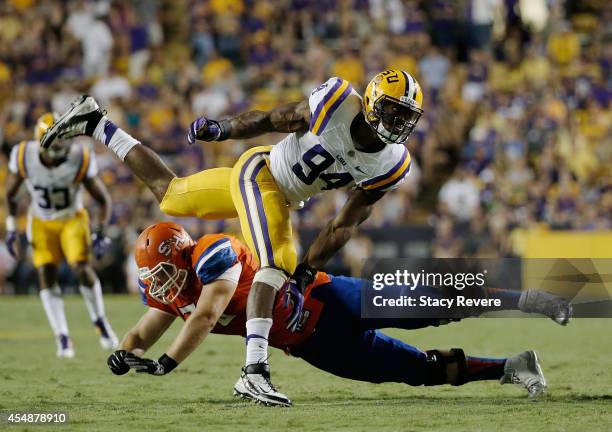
(386, 136)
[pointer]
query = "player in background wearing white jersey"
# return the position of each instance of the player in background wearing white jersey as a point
(58, 226)
(336, 140)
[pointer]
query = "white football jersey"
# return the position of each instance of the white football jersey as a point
(323, 158)
(55, 191)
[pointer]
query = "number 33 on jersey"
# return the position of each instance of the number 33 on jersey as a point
(55, 191)
(324, 157)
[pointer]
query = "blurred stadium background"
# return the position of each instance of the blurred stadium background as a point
(515, 141)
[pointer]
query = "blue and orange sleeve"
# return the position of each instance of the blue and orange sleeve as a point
(213, 255)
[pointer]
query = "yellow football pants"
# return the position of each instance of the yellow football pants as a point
(54, 240)
(262, 208)
(205, 194)
(247, 191)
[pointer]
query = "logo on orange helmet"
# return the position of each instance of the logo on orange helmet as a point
(163, 256)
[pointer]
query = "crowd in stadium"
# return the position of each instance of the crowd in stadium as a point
(516, 130)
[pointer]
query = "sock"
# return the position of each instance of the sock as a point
(60, 314)
(47, 299)
(481, 368)
(509, 298)
(257, 330)
(53, 303)
(95, 308)
(115, 138)
(93, 300)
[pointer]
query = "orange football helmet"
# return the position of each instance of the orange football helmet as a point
(163, 256)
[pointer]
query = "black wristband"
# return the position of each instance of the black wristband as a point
(168, 363)
(305, 272)
(225, 126)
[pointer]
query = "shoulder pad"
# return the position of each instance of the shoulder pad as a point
(212, 256)
(393, 170)
(325, 100)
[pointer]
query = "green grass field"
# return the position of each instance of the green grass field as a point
(198, 396)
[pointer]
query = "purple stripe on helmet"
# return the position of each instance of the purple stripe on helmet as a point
(109, 130)
(333, 108)
(262, 214)
(388, 173)
(327, 97)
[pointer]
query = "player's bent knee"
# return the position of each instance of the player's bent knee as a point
(446, 367)
(84, 272)
(159, 186)
(271, 276)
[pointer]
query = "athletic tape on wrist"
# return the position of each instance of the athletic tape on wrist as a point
(225, 130)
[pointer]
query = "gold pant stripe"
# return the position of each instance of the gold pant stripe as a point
(263, 212)
(251, 197)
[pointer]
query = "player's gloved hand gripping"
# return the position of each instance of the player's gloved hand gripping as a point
(100, 242)
(294, 294)
(12, 238)
(158, 367)
(116, 362)
(208, 130)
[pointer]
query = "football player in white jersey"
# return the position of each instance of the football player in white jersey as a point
(337, 139)
(58, 226)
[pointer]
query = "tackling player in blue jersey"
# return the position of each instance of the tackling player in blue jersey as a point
(206, 283)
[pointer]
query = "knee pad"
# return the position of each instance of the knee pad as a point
(272, 276)
(446, 367)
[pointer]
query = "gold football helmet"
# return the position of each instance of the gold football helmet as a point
(42, 124)
(60, 150)
(393, 105)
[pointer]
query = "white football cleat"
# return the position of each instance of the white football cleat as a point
(254, 384)
(81, 118)
(64, 347)
(524, 369)
(556, 308)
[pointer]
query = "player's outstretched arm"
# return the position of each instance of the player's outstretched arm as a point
(147, 331)
(139, 339)
(340, 229)
(290, 117)
(13, 183)
(99, 193)
(212, 302)
(329, 241)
